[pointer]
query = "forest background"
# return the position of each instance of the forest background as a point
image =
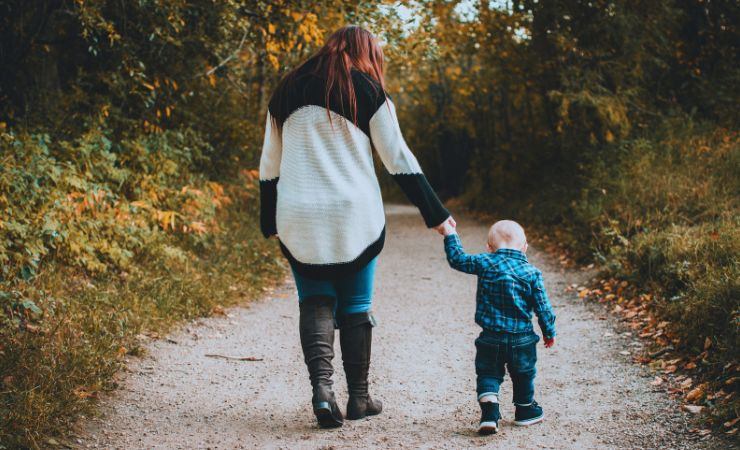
(130, 134)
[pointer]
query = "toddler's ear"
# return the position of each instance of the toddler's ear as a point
(525, 247)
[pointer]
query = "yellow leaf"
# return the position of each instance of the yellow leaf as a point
(274, 61)
(271, 28)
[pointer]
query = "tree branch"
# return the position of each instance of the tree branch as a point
(230, 57)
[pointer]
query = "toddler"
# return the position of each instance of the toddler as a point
(509, 289)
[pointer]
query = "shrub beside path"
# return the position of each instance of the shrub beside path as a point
(177, 397)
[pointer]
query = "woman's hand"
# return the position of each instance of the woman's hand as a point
(446, 227)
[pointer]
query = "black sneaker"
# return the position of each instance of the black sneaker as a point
(529, 414)
(489, 417)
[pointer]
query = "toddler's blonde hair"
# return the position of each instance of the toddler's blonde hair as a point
(506, 234)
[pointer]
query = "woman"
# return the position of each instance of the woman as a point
(320, 195)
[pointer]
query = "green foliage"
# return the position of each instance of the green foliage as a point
(128, 131)
(65, 351)
(665, 214)
(610, 123)
(95, 204)
(129, 134)
(101, 239)
(153, 66)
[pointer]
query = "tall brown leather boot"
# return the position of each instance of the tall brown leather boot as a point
(355, 338)
(316, 326)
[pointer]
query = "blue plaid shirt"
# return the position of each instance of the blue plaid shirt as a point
(509, 289)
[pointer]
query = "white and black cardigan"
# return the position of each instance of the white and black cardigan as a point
(318, 187)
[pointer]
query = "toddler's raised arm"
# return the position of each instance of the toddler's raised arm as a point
(457, 258)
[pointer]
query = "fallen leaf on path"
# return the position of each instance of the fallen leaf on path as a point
(657, 381)
(662, 351)
(82, 392)
(693, 409)
(697, 393)
(700, 432)
(731, 423)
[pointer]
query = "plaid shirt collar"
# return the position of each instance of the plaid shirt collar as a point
(511, 253)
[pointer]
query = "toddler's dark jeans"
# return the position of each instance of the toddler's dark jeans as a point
(516, 351)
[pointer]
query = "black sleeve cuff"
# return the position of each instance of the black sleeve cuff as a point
(420, 193)
(268, 207)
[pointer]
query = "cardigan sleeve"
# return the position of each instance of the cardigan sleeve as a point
(272, 151)
(388, 141)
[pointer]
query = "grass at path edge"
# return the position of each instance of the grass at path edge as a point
(53, 369)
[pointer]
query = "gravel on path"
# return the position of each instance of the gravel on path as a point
(422, 370)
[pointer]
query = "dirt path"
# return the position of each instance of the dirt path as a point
(422, 370)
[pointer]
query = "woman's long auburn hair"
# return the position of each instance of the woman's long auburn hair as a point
(350, 47)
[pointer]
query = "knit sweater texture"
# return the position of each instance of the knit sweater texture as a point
(318, 188)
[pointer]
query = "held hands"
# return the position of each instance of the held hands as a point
(447, 227)
(549, 342)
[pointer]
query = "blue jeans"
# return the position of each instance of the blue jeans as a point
(516, 351)
(352, 293)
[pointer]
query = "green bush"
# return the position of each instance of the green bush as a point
(696, 269)
(60, 357)
(94, 204)
(100, 241)
(664, 214)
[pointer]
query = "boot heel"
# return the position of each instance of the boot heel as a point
(360, 408)
(327, 415)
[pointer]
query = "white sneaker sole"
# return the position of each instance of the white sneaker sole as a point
(524, 423)
(488, 428)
